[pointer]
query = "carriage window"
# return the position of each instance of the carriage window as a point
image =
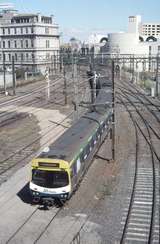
(90, 148)
(78, 164)
(87, 149)
(94, 140)
(98, 134)
(85, 153)
(103, 127)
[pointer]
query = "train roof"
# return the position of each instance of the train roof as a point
(67, 146)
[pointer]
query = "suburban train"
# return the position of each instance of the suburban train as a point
(57, 171)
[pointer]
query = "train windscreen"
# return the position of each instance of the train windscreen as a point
(50, 179)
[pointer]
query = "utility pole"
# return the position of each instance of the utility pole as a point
(133, 70)
(48, 85)
(65, 85)
(54, 63)
(113, 112)
(13, 77)
(157, 75)
(75, 82)
(94, 89)
(61, 62)
(4, 73)
(72, 64)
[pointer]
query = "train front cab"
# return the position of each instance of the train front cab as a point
(50, 179)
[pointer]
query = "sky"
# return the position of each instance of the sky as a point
(81, 18)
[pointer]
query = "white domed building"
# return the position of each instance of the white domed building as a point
(133, 42)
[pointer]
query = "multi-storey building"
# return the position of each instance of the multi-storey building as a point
(151, 29)
(32, 39)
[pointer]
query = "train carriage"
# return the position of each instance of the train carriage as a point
(57, 171)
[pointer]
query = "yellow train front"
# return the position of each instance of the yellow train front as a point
(50, 179)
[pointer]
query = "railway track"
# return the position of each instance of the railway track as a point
(28, 151)
(141, 217)
(30, 103)
(30, 219)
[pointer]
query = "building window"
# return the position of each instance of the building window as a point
(9, 31)
(21, 43)
(32, 30)
(15, 44)
(47, 44)
(26, 30)
(9, 57)
(27, 56)
(46, 30)
(26, 43)
(32, 43)
(21, 56)
(9, 44)
(33, 56)
(15, 31)
(4, 44)
(15, 56)
(21, 30)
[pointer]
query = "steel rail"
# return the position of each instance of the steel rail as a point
(17, 99)
(12, 111)
(146, 124)
(136, 109)
(153, 170)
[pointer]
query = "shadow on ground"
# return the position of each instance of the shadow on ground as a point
(24, 194)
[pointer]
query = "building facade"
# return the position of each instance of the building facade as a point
(150, 29)
(31, 39)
